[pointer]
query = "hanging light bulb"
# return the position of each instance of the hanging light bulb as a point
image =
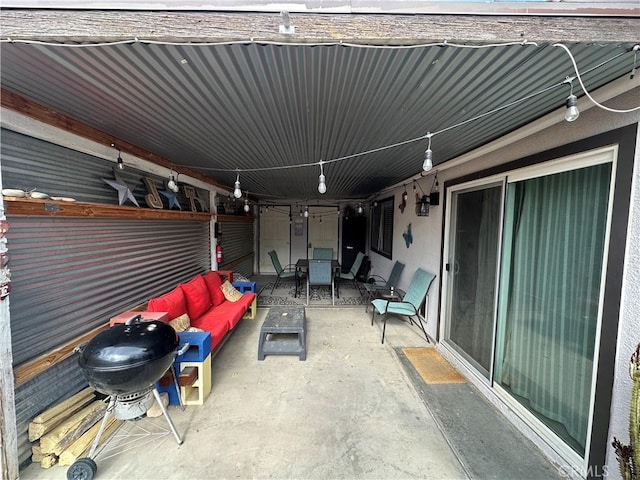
(246, 206)
(172, 184)
(360, 208)
(306, 212)
(572, 113)
(405, 195)
(322, 186)
(236, 191)
(428, 156)
(119, 161)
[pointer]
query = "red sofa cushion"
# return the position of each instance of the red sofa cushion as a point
(173, 303)
(235, 310)
(215, 322)
(197, 297)
(214, 282)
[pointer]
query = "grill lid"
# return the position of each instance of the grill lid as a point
(129, 345)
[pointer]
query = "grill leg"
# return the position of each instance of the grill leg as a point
(166, 415)
(112, 403)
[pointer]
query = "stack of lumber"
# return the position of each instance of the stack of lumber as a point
(66, 431)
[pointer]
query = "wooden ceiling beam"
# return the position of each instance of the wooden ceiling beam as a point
(375, 29)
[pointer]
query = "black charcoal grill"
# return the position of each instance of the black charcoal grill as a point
(124, 363)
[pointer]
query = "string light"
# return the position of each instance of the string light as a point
(119, 161)
(428, 156)
(360, 208)
(306, 212)
(572, 113)
(236, 190)
(172, 184)
(322, 186)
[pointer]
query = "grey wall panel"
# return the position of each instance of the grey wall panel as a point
(70, 275)
(32, 164)
(42, 392)
(237, 242)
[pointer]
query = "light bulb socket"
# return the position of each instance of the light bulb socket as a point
(572, 113)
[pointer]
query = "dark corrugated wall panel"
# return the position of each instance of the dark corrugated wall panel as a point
(70, 275)
(237, 242)
(42, 392)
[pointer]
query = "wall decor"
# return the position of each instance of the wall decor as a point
(193, 197)
(153, 197)
(408, 236)
(124, 192)
(172, 197)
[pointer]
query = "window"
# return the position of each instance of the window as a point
(382, 227)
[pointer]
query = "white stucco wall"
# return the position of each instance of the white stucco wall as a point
(629, 326)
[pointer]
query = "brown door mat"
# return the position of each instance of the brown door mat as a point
(431, 366)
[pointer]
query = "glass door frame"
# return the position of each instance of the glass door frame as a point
(448, 247)
(585, 158)
(577, 161)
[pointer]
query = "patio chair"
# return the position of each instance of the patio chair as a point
(320, 274)
(380, 284)
(323, 253)
(351, 274)
(410, 304)
(285, 272)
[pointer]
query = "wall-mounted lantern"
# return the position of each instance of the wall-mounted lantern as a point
(422, 206)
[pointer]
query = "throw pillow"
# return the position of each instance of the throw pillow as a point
(230, 292)
(197, 297)
(213, 282)
(181, 323)
(173, 303)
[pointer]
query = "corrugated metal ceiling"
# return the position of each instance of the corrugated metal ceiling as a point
(264, 106)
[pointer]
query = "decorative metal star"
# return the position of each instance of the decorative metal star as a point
(124, 191)
(172, 197)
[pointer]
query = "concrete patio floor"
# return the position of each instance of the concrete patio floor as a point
(351, 410)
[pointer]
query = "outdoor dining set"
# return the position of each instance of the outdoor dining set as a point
(382, 294)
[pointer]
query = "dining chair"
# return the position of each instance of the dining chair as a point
(320, 274)
(321, 253)
(284, 272)
(352, 274)
(380, 284)
(410, 304)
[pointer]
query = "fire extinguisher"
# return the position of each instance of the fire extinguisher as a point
(219, 254)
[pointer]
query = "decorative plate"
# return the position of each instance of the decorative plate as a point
(10, 192)
(38, 195)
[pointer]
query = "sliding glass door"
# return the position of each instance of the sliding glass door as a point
(472, 268)
(551, 277)
(524, 285)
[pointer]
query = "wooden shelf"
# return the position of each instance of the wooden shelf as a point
(56, 208)
(234, 218)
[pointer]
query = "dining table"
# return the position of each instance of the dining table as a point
(302, 265)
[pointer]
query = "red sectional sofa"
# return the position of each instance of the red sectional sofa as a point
(203, 300)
